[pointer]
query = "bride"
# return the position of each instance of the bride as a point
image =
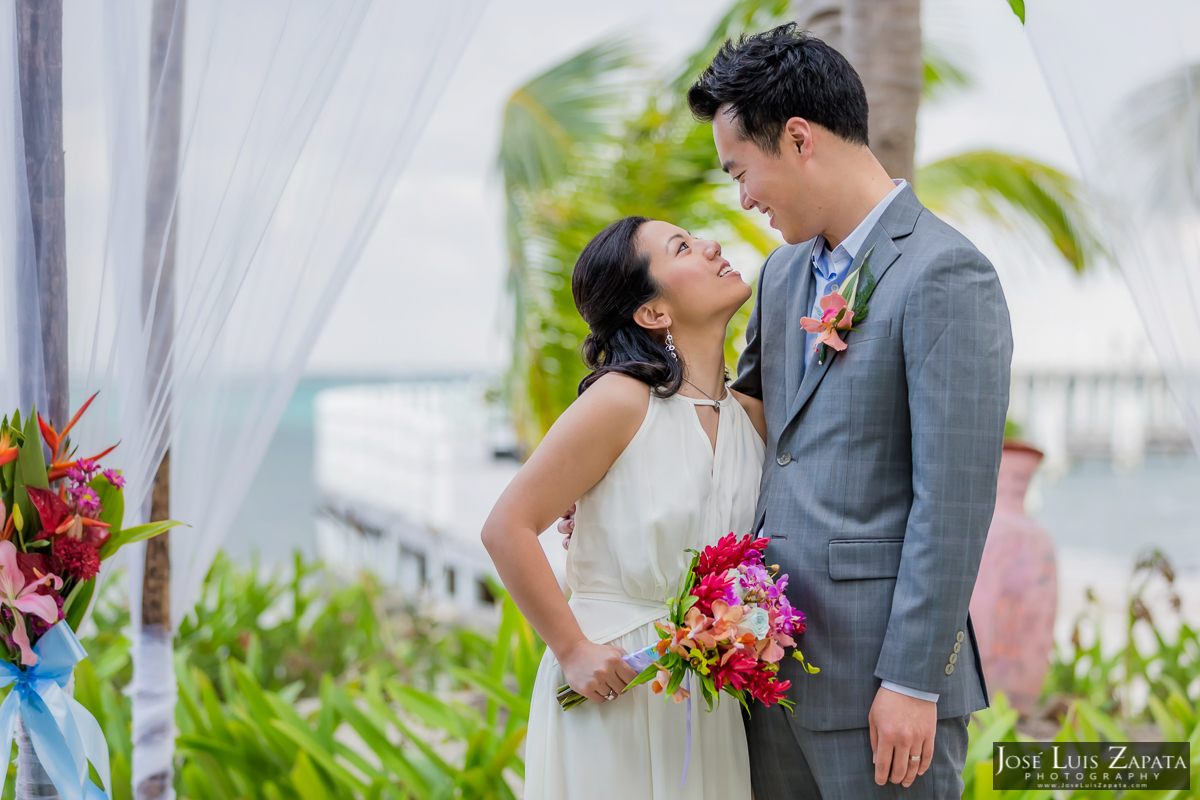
(664, 458)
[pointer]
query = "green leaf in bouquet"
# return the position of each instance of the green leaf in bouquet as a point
(77, 602)
(112, 500)
(677, 676)
(136, 534)
(645, 676)
(30, 471)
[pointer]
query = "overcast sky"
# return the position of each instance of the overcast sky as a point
(429, 297)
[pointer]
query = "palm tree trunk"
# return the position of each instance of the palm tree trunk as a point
(158, 305)
(42, 328)
(882, 39)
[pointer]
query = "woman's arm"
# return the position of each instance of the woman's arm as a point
(575, 454)
(754, 410)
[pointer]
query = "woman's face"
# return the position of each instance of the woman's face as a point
(699, 286)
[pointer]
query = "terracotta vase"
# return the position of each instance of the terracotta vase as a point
(1016, 593)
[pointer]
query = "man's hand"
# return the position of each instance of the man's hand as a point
(566, 526)
(901, 727)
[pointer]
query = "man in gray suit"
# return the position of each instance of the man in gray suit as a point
(884, 442)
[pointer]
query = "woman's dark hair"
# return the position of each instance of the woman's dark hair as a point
(611, 281)
(768, 78)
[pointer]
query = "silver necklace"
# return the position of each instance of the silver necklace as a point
(716, 402)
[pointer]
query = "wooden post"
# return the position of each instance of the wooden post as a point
(882, 39)
(39, 48)
(158, 298)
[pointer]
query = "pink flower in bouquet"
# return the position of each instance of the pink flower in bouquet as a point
(711, 588)
(728, 553)
(114, 478)
(23, 598)
(88, 502)
(835, 315)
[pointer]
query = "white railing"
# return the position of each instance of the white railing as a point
(1099, 415)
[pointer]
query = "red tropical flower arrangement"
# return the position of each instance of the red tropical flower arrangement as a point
(60, 521)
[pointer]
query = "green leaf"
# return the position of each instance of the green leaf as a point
(1018, 7)
(113, 501)
(137, 534)
(76, 604)
(30, 471)
(307, 782)
(645, 676)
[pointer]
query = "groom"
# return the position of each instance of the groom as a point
(883, 446)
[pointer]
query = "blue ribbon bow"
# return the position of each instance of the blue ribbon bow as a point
(65, 735)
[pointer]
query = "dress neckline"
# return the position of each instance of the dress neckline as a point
(704, 401)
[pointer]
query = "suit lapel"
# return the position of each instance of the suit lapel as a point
(897, 222)
(801, 287)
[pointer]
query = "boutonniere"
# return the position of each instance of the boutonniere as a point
(841, 308)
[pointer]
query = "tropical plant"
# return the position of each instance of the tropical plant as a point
(595, 138)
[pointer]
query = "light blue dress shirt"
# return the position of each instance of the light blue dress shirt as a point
(831, 268)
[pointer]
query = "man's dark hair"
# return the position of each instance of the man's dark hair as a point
(768, 78)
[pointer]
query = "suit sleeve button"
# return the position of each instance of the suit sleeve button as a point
(953, 657)
(957, 646)
(959, 637)
(949, 668)
(784, 459)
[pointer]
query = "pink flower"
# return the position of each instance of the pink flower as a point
(114, 478)
(836, 315)
(24, 599)
(88, 502)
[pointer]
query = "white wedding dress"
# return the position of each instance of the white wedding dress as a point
(668, 492)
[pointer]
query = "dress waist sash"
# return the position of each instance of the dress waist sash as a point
(604, 616)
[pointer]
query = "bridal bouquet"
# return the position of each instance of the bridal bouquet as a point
(728, 625)
(60, 520)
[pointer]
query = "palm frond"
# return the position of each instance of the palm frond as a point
(578, 101)
(1004, 188)
(942, 74)
(745, 16)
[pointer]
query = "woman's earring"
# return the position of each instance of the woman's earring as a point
(671, 346)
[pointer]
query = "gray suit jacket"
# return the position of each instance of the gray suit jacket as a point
(880, 475)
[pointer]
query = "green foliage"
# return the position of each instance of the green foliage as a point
(1018, 7)
(291, 627)
(1107, 680)
(1012, 190)
(272, 665)
(393, 740)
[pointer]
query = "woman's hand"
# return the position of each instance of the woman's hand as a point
(594, 670)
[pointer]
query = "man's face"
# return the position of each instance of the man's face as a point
(779, 186)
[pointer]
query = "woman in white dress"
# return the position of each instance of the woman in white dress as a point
(664, 458)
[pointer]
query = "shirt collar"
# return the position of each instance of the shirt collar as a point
(854, 242)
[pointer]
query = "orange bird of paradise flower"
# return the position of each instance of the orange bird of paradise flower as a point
(55, 440)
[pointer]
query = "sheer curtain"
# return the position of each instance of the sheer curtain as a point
(1126, 80)
(295, 119)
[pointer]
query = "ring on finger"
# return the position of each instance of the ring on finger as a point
(610, 695)
(914, 758)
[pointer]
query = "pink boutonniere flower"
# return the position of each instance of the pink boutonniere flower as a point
(838, 310)
(836, 315)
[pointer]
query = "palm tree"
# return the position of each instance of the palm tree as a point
(577, 152)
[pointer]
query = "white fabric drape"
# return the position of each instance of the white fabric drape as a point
(1126, 81)
(297, 119)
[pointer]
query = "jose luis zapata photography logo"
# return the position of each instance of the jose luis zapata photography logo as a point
(1091, 765)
